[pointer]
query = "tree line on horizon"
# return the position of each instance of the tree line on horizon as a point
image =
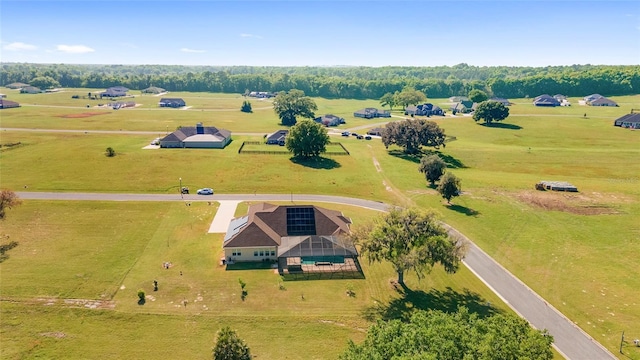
(341, 82)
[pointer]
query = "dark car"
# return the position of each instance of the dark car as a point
(345, 133)
(367, 137)
(360, 137)
(355, 134)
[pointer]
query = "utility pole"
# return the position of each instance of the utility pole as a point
(621, 342)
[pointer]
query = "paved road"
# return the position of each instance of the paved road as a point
(569, 339)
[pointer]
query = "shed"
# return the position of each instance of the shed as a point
(556, 186)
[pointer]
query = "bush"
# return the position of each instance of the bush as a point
(246, 107)
(141, 296)
(110, 152)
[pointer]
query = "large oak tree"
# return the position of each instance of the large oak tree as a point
(307, 139)
(410, 239)
(290, 105)
(411, 134)
(460, 335)
(490, 111)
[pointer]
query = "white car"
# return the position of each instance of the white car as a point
(205, 191)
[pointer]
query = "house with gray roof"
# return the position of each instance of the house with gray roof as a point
(545, 100)
(7, 104)
(295, 234)
(590, 98)
(329, 120)
(16, 85)
(171, 102)
(503, 101)
(602, 101)
(197, 137)
(115, 91)
(277, 138)
(153, 90)
(30, 90)
(370, 113)
(463, 107)
(629, 121)
(426, 109)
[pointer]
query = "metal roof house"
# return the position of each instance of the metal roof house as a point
(198, 137)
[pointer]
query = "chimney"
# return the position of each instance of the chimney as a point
(199, 128)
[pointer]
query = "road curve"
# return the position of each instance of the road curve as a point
(569, 339)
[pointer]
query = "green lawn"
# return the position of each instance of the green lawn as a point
(579, 251)
(103, 252)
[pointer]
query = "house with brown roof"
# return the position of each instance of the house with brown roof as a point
(295, 235)
(198, 137)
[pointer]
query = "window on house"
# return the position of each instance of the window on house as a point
(255, 253)
(273, 253)
(239, 253)
(261, 253)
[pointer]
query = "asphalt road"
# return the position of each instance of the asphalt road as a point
(569, 339)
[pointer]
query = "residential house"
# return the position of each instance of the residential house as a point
(261, 94)
(463, 107)
(375, 131)
(153, 90)
(277, 138)
(503, 101)
(329, 120)
(426, 109)
(30, 90)
(603, 101)
(370, 113)
(200, 137)
(115, 91)
(171, 102)
(16, 85)
(590, 98)
(629, 121)
(268, 232)
(559, 97)
(545, 100)
(121, 104)
(457, 99)
(7, 104)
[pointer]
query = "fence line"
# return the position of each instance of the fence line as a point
(266, 152)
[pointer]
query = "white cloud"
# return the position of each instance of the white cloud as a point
(74, 49)
(19, 46)
(251, 36)
(187, 50)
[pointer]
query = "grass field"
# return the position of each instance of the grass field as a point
(579, 251)
(100, 254)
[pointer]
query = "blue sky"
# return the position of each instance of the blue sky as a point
(321, 33)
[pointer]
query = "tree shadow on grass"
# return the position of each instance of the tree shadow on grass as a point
(448, 159)
(317, 163)
(497, 125)
(447, 301)
(463, 210)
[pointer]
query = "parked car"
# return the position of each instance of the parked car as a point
(156, 141)
(345, 133)
(367, 137)
(355, 134)
(360, 137)
(205, 191)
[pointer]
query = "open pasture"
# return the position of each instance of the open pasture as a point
(579, 251)
(71, 291)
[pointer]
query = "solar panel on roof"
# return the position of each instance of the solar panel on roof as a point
(301, 221)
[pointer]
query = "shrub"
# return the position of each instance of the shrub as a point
(110, 152)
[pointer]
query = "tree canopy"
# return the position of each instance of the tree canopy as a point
(410, 239)
(307, 139)
(449, 186)
(461, 335)
(388, 99)
(411, 134)
(44, 82)
(8, 200)
(478, 96)
(229, 346)
(409, 96)
(433, 167)
(490, 111)
(289, 105)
